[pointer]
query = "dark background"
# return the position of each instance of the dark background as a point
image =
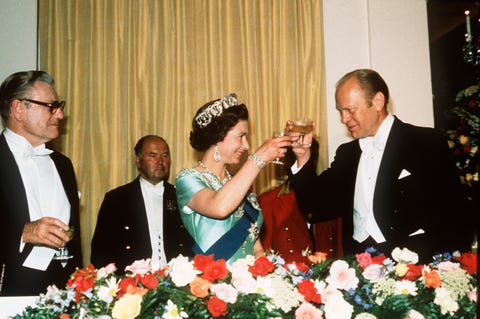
(450, 74)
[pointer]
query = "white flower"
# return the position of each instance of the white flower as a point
(406, 287)
(448, 266)
(341, 276)
(108, 292)
(372, 272)
(282, 293)
(413, 314)
(444, 299)
(171, 311)
(404, 256)
(182, 271)
(337, 308)
(243, 280)
(225, 292)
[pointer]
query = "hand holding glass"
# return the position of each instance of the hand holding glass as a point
(62, 253)
(278, 134)
(302, 126)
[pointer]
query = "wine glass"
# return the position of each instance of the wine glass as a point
(62, 254)
(302, 126)
(278, 134)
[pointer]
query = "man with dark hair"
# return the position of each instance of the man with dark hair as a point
(394, 185)
(38, 191)
(140, 220)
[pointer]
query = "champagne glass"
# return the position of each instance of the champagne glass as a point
(302, 126)
(278, 134)
(62, 254)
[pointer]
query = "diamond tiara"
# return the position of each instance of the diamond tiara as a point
(215, 109)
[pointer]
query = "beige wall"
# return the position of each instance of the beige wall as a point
(389, 36)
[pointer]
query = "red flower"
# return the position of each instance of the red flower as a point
(215, 270)
(83, 280)
(149, 281)
(302, 267)
(378, 260)
(364, 259)
(201, 261)
(217, 307)
(64, 316)
(468, 261)
(472, 104)
(124, 283)
(414, 272)
(309, 292)
(261, 267)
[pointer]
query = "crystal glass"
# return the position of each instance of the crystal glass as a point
(278, 133)
(302, 126)
(62, 254)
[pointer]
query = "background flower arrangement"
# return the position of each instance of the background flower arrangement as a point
(365, 286)
(464, 140)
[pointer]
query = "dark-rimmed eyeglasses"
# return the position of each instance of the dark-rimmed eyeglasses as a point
(54, 106)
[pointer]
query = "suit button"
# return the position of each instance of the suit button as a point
(127, 227)
(127, 247)
(289, 239)
(285, 228)
(395, 211)
(290, 251)
(181, 245)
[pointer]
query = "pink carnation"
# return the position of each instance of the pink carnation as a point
(308, 311)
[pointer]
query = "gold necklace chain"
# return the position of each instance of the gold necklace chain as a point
(228, 176)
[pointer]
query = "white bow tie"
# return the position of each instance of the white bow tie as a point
(369, 144)
(37, 151)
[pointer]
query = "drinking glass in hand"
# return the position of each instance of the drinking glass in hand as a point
(278, 134)
(62, 254)
(302, 126)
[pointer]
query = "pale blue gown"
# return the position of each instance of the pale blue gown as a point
(205, 230)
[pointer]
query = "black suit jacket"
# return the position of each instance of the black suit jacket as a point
(121, 234)
(14, 214)
(429, 198)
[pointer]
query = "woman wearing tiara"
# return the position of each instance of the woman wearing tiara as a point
(218, 209)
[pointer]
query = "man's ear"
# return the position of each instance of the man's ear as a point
(378, 101)
(17, 109)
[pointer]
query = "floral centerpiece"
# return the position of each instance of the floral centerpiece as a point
(464, 140)
(366, 286)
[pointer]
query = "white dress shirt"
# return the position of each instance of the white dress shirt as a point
(364, 223)
(153, 198)
(43, 186)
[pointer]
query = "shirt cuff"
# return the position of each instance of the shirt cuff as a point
(295, 168)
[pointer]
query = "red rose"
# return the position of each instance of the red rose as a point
(302, 267)
(378, 260)
(414, 272)
(149, 281)
(215, 270)
(364, 259)
(217, 307)
(309, 292)
(201, 261)
(124, 283)
(468, 261)
(261, 267)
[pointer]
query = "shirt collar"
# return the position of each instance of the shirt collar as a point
(378, 141)
(156, 189)
(20, 146)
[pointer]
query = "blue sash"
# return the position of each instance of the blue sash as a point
(227, 245)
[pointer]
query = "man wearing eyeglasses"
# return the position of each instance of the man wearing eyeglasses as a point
(38, 191)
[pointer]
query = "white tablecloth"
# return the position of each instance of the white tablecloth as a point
(10, 306)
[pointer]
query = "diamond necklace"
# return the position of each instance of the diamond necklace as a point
(222, 181)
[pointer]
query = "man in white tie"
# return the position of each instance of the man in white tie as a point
(38, 190)
(394, 185)
(140, 220)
